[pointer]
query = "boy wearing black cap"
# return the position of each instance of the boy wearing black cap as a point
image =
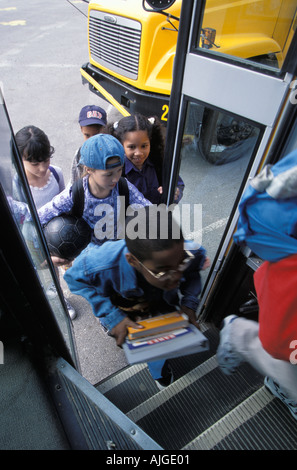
(92, 120)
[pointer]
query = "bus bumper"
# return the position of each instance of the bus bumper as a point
(126, 99)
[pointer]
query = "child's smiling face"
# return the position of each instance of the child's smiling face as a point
(137, 147)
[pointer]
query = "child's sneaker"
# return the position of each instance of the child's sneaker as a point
(167, 377)
(228, 359)
(277, 391)
(71, 311)
(51, 291)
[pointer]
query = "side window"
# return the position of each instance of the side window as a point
(217, 150)
(20, 202)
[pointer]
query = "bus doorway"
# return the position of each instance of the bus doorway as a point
(223, 128)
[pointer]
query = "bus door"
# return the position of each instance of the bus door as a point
(228, 117)
(45, 403)
(26, 271)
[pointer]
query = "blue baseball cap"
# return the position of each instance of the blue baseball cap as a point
(92, 114)
(98, 149)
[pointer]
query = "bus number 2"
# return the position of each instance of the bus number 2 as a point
(165, 109)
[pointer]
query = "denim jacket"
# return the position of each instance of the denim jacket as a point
(99, 271)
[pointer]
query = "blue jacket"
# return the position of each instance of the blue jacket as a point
(268, 211)
(99, 271)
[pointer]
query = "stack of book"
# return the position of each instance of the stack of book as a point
(163, 337)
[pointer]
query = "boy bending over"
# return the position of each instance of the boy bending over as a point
(149, 273)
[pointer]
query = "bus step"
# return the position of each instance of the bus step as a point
(90, 421)
(203, 408)
(260, 422)
(193, 403)
(133, 385)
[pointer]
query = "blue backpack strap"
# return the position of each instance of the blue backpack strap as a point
(54, 172)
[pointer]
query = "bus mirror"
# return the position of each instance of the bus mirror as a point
(208, 36)
(159, 5)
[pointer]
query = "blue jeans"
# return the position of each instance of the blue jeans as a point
(155, 368)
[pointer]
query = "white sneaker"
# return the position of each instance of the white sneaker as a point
(167, 377)
(51, 291)
(278, 392)
(228, 359)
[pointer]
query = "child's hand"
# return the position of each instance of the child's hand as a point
(191, 314)
(120, 330)
(206, 263)
(59, 261)
(176, 194)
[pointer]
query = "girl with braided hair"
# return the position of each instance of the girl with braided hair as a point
(143, 141)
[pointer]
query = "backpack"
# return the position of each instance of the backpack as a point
(74, 216)
(78, 196)
(54, 172)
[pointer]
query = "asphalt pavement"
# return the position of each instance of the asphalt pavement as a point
(43, 45)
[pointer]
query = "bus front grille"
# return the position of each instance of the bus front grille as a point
(115, 43)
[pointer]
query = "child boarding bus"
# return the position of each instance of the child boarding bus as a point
(229, 118)
(132, 45)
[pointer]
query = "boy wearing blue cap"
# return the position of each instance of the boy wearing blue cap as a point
(103, 158)
(92, 120)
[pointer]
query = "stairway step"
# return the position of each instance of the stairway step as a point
(90, 420)
(185, 409)
(203, 408)
(272, 428)
(231, 421)
(261, 422)
(129, 388)
(133, 385)
(119, 378)
(178, 386)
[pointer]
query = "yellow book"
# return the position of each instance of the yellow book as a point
(159, 324)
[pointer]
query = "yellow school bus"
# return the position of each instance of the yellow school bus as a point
(132, 45)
